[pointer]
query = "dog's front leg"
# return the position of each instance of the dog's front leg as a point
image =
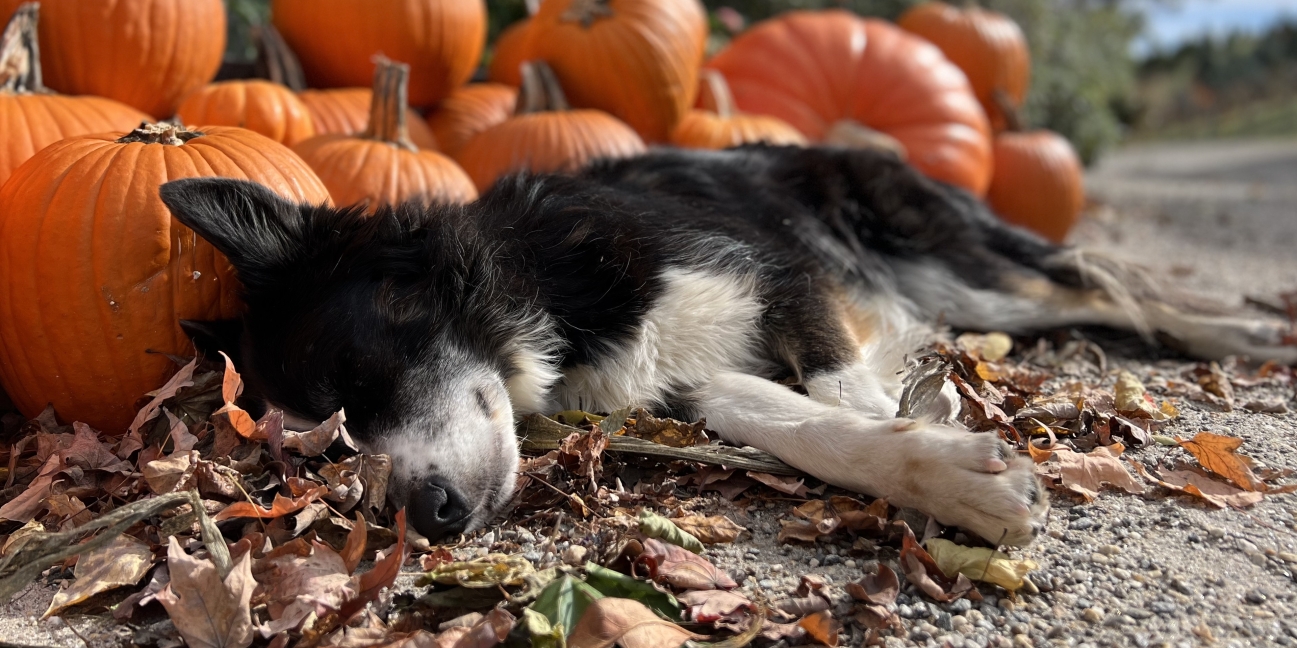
(973, 481)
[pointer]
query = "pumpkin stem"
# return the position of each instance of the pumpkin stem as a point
(586, 12)
(541, 91)
(850, 133)
(532, 6)
(169, 133)
(20, 52)
(387, 112)
(1012, 116)
(715, 94)
(276, 61)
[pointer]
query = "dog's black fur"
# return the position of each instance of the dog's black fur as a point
(390, 314)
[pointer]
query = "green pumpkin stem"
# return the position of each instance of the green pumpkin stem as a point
(387, 112)
(541, 91)
(20, 52)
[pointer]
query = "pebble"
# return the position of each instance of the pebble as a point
(1288, 557)
(1255, 597)
(1022, 641)
(1110, 550)
(813, 562)
(850, 564)
(1100, 559)
(1092, 614)
(1162, 607)
(1081, 524)
(961, 606)
(1257, 559)
(1216, 533)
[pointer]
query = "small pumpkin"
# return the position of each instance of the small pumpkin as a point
(469, 111)
(95, 273)
(1038, 182)
(336, 41)
(509, 53)
(345, 111)
(634, 59)
(381, 167)
(260, 106)
(814, 69)
(31, 117)
(545, 135)
(719, 125)
(148, 54)
(988, 46)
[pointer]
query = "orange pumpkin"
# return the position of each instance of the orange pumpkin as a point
(545, 135)
(381, 166)
(988, 46)
(95, 273)
(259, 106)
(345, 111)
(815, 69)
(720, 126)
(510, 51)
(336, 41)
(1038, 182)
(148, 54)
(634, 59)
(469, 111)
(31, 118)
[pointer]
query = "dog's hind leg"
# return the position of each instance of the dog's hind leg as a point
(973, 481)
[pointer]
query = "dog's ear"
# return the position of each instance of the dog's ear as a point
(254, 228)
(211, 337)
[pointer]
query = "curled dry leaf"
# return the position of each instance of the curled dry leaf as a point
(491, 570)
(183, 378)
(302, 579)
(716, 529)
(209, 612)
(666, 431)
(489, 631)
(627, 623)
(122, 563)
(1218, 454)
(923, 572)
(681, 569)
(879, 588)
(1216, 493)
(979, 563)
(279, 508)
(707, 606)
(822, 627)
(653, 525)
(314, 442)
(172, 473)
(783, 483)
(1086, 474)
(1132, 399)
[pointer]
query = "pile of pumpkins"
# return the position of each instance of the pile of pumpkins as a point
(102, 102)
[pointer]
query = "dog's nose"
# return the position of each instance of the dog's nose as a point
(437, 509)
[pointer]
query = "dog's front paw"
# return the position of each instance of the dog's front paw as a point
(973, 481)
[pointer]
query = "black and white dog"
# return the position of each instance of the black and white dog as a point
(698, 284)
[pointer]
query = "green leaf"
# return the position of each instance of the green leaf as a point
(655, 526)
(618, 585)
(564, 601)
(463, 597)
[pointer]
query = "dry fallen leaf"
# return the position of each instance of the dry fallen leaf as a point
(666, 431)
(1132, 399)
(122, 563)
(301, 579)
(627, 623)
(716, 529)
(1086, 474)
(279, 508)
(880, 588)
(314, 442)
(822, 627)
(490, 571)
(991, 347)
(209, 612)
(1217, 454)
(183, 378)
(979, 563)
(785, 484)
(924, 573)
(1216, 493)
(706, 606)
(170, 474)
(681, 568)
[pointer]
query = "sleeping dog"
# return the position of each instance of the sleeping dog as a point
(774, 292)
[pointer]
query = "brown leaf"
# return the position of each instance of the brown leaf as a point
(181, 439)
(715, 529)
(369, 584)
(782, 483)
(171, 473)
(314, 442)
(280, 507)
(354, 551)
(580, 454)
(627, 623)
(1086, 474)
(1217, 454)
(181, 379)
(666, 431)
(87, 452)
(209, 612)
(31, 501)
(122, 563)
(922, 572)
(706, 606)
(681, 568)
(300, 579)
(489, 631)
(822, 627)
(880, 588)
(1216, 493)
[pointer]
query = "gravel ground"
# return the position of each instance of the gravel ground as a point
(1152, 570)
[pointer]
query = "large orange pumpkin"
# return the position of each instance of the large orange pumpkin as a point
(147, 54)
(260, 106)
(509, 53)
(634, 59)
(988, 46)
(32, 118)
(545, 135)
(381, 166)
(718, 125)
(814, 69)
(345, 111)
(1038, 182)
(469, 111)
(336, 41)
(94, 273)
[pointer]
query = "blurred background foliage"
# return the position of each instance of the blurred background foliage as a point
(1085, 82)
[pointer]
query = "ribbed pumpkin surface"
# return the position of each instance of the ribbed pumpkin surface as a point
(707, 130)
(1038, 182)
(345, 111)
(94, 272)
(30, 122)
(148, 54)
(510, 51)
(988, 46)
(336, 41)
(546, 141)
(469, 111)
(360, 171)
(812, 69)
(259, 106)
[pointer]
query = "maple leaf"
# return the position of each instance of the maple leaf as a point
(1218, 454)
(122, 563)
(1214, 492)
(279, 508)
(302, 578)
(209, 612)
(1086, 474)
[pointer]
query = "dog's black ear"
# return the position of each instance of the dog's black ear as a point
(211, 337)
(256, 229)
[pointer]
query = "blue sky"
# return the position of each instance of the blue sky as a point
(1170, 23)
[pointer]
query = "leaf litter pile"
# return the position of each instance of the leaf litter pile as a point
(203, 526)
